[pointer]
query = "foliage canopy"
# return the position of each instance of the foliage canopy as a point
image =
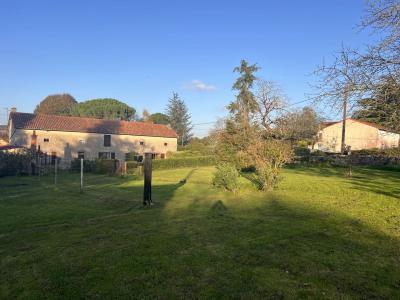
(57, 104)
(105, 108)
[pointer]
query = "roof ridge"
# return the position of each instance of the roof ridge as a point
(48, 122)
(89, 118)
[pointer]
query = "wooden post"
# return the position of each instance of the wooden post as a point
(81, 175)
(343, 145)
(55, 170)
(40, 165)
(147, 179)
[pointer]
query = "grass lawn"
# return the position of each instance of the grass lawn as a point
(320, 235)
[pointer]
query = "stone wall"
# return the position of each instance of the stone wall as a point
(361, 160)
(66, 145)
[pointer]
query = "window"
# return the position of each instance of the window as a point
(82, 142)
(103, 155)
(154, 156)
(81, 154)
(46, 140)
(162, 156)
(141, 143)
(107, 155)
(107, 140)
(165, 144)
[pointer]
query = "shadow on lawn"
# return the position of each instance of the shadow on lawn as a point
(379, 181)
(276, 250)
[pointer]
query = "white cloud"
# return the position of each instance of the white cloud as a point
(198, 85)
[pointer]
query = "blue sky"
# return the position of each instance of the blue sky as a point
(141, 51)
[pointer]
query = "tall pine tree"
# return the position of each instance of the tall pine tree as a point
(245, 104)
(179, 118)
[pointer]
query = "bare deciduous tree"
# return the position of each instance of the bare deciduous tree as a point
(382, 60)
(271, 102)
(355, 75)
(298, 125)
(340, 85)
(340, 79)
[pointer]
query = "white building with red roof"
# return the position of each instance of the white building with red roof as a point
(359, 135)
(68, 137)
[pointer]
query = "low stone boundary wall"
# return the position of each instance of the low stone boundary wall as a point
(345, 160)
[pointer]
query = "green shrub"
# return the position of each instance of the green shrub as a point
(133, 167)
(187, 153)
(269, 156)
(301, 151)
(181, 162)
(99, 166)
(106, 166)
(88, 165)
(12, 164)
(267, 177)
(318, 153)
(227, 177)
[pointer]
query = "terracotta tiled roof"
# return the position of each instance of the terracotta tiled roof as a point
(380, 127)
(89, 125)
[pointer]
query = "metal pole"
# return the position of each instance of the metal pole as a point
(55, 171)
(147, 179)
(81, 175)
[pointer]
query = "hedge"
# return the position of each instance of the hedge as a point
(173, 163)
(100, 166)
(12, 164)
(134, 167)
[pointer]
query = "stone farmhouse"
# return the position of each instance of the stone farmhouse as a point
(359, 135)
(68, 138)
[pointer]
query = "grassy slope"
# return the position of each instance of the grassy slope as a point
(320, 235)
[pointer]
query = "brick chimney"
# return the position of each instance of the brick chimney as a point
(13, 109)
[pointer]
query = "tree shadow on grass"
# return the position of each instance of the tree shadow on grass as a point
(281, 251)
(381, 182)
(378, 181)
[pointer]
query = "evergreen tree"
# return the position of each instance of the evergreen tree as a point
(159, 118)
(383, 107)
(109, 109)
(179, 118)
(240, 128)
(245, 103)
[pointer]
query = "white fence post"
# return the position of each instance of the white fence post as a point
(55, 171)
(81, 175)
